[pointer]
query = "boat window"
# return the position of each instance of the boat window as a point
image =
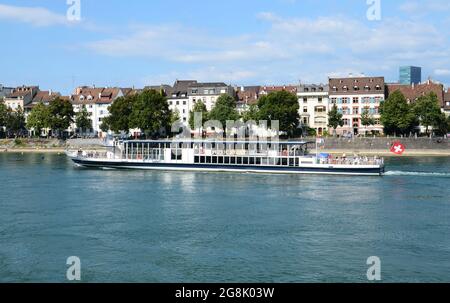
(220, 160)
(227, 160)
(239, 160)
(233, 160)
(245, 160)
(208, 160)
(214, 160)
(297, 162)
(252, 161)
(258, 161)
(291, 162)
(284, 161)
(202, 159)
(196, 159)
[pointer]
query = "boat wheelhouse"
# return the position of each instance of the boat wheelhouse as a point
(290, 157)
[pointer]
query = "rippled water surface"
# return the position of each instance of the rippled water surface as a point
(212, 227)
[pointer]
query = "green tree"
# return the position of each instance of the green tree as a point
(199, 107)
(367, 119)
(428, 110)
(150, 113)
(397, 115)
(282, 106)
(119, 115)
(224, 110)
(175, 116)
(39, 118)
(335, 119)
(83, 119)
(252, 114)
(15, 122)
(3, 114)
(62, 114)
(442, 125)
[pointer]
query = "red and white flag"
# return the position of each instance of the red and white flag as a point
(398, 148)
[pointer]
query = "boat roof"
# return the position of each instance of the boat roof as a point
(221, 141)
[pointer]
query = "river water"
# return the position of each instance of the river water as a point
(142, 226)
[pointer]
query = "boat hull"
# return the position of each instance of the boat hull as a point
(366, 170)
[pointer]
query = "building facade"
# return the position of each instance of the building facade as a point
(410, 75)
(352, 97)
(96, 101)
(20, 97)
(208, 93)
(178, 99)
(246, 96)
(314, 105)
(446, 107)
(5, 91)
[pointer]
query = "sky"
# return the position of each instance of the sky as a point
(251, 42)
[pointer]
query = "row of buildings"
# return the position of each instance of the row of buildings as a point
(352, 96)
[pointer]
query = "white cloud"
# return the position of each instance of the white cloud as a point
(425, 7)
(442, 72)
(36, 16)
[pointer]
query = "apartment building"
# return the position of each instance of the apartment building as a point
(96, 100)
(446, 107)
(5, 91)
(208, 93)
(178, 99)
(314, 105)
(20, 97)
(352, 96)
(415, 91)
(246, 96)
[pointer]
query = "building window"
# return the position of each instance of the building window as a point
(305, 100)
(355, 100)
(346, 122)
(333, 100)
(345, 100)
(305, 109)
(320, 99)
(184, 102)
(356, 111)
(194, 91)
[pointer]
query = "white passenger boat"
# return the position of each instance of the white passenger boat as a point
(226, 156)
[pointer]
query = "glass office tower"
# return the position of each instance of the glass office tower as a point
(410, 75)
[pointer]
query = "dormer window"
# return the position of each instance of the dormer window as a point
(334, 88)
(89, 97)
(345, 88)
(81, 98)
(306, 89)
(356, 88)
(378, 87)
(367, 88)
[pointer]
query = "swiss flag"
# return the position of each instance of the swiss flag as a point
(398, 148)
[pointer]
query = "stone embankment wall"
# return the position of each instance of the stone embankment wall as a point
(386, 143)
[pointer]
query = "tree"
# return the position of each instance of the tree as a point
(282, 106)
(428, 110)
(397, 115)
(150, 113)
(224, 110)
(83, 119)
(15, 122)
(252, 114)
(3, 114)
(367, 119)
(62, 113)
(119, 115)
(442, 125)
(335, 119)
(39, 118)
(199, 107)
(175, 116)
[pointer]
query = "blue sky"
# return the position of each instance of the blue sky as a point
(126, 43)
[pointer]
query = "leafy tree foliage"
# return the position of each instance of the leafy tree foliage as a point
(83, 119)
(428, 110)
(62, 114)
(224, 110)
(335, 119)
(39, 118)
(397, 116)
(282, 106)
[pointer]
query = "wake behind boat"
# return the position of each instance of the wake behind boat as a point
(225, 156)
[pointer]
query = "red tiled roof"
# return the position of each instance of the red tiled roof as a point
(270, 89)
(413, 92)
(248, 94)
(91, 95)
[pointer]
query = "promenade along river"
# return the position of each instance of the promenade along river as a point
(212, 227)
